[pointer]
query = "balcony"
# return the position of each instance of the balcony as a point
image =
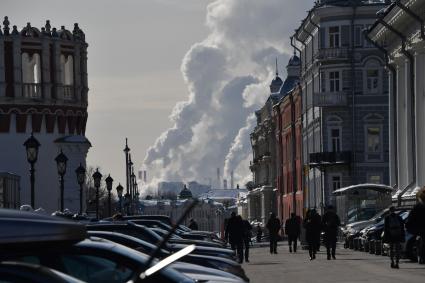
(332, 54)
(31, 90)
(326, 99)
(321, 159)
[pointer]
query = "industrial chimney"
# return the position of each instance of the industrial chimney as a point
(231, 180)
(225, 184)
(218, 178)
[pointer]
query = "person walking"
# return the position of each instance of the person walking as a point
(293, 231)
(246, 237)
(234, 235)
(273, 225)
(415, 224)
(330, 224)
(259, 233)
(312, 225)
(193, 225)
(394, 235)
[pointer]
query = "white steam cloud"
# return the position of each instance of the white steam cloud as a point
(227, 76)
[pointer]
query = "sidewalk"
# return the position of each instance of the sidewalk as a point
(350, 266)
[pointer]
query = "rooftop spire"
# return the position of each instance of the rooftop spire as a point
(277, 71)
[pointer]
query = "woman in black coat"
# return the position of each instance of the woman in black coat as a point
(312, 225)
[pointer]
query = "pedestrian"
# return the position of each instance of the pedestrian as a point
(312, 225)
(234, 235)
(293, 231)
(259, 233)
(394, 235)
(415, 224)
(273, 225)
(330, 224)
(193, 225)
(246, 237)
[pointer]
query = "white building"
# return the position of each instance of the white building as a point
(399, 33)
(43, 90)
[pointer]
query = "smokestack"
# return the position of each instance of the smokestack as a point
(225, 184)
(218, 178)
(144, 176)
(231, 180)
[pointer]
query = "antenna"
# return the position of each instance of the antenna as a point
(277, 70)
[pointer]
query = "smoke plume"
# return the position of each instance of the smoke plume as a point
(227, 76)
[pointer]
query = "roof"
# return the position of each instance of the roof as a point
(294, 61)
(374, 187)
(73, 139)
(185, 193)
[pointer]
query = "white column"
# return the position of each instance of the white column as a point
(420, 115)
(401, 122)
(45, 69)
(17, 65)
(408, 122)
(392, 121)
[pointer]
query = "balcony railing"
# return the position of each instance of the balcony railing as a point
(332, 53)
(329, 158)
(68, 92)
(323, 99)
(31, 90)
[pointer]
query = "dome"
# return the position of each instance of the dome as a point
(294, 61)
(185, 193)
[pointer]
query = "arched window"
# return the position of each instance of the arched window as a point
(31, 75)
(372, 77)
(67, 75)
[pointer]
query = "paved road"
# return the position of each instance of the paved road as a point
(350, 266)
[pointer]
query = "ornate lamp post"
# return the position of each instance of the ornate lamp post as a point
(97, 177)
(61, 160)
(127, 200)
(120, 190)
(127, 175)
(32, 145)
(109, 182)
(133, 190)
(81, 177)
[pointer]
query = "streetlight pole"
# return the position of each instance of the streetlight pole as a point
(97, 177)
(32, 145)
(61, 160)
(109, 182)
(127, 176)
(81, 176)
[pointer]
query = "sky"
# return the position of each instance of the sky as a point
(179, 78)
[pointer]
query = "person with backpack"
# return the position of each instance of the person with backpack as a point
(330, 224)
(394, 235)
(415, 224)
(293, 231)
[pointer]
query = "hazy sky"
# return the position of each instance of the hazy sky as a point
(135, 52)
(145, 56)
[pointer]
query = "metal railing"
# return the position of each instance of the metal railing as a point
(329, 158)
(31, 90)
(322, 99)
(332, 53)
(68, 92)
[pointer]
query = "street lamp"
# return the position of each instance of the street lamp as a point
(81, 177)
(120, 190)
(133, 189)
(97, 177)
(127, 175)
(61, 160)
(127, 200)
(32, 145)
(109, 181)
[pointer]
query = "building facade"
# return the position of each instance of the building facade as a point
(345, 100)
(399, 33)
(43, 90)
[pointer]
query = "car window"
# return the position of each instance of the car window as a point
(95, 269)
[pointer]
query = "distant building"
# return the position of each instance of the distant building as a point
(44, 91)
(228, 197)
(399, 33)
(171, 190)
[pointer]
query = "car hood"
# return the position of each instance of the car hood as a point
(188, 268)
(202, 248)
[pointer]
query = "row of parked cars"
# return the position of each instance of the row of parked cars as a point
(40, 248)
(367, 235)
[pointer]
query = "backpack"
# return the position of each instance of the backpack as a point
(394, 226)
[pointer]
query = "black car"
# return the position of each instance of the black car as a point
(147, 248)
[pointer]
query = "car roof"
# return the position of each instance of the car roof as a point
(19, 227)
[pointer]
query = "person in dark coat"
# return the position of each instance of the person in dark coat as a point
(246, 237)
(293, 231)
(234, 235)
(259, 233)
(273, 225)
(312, 225)
(193, 225)
(330, 224)
(394, 235)
(415, 224)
